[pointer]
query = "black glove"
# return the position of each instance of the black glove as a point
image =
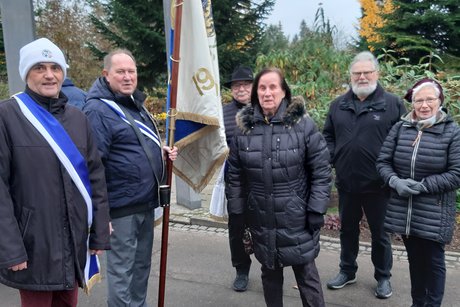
(315, 221)
(403, 186)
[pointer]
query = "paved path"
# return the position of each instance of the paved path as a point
(200, 274)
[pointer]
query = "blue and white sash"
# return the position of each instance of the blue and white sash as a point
(143, 128)
(71, 159)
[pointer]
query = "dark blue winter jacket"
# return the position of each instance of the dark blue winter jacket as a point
(76, 96)
(131, 184)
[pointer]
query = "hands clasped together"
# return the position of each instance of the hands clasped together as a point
(407, 187)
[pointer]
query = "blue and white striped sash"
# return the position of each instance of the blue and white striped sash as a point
(142, 127)
(68, 155)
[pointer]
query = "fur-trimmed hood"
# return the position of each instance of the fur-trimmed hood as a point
(289, 113)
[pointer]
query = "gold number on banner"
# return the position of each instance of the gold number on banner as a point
(203, 80)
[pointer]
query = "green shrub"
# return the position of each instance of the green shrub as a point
(4, 91)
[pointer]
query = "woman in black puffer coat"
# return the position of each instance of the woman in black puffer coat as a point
(279, 176)
(420, 160)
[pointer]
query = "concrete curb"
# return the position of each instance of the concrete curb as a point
(399, 251)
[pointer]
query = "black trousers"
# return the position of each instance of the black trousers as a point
(308, 282)
(351, 208)
(240, 260)
(427, 269)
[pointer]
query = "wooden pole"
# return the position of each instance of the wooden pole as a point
(169, 165)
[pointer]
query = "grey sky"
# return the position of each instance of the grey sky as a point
(343, 14)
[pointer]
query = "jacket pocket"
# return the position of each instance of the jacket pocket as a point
(126, 181)
(253, 214)
(24, 221)
(296, 212)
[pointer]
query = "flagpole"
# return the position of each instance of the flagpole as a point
(169, 165)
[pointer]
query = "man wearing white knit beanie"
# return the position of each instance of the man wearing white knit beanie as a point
(40, 50)
(52, 186)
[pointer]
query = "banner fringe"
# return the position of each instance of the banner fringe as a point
(207, 178)
(96, 278)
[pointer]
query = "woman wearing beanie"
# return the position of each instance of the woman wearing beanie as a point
(420, 161)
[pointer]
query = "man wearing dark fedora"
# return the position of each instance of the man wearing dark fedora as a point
(240, 84)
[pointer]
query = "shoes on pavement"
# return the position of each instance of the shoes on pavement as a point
(340, 281)
(383, 289)
(240, 284)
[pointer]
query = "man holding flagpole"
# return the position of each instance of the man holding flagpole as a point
(131, 151)
(53, 198)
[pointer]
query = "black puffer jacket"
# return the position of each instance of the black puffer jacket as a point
(278, 173)
(354, 138)
(434, 158)
(230, 111)
(43, 217)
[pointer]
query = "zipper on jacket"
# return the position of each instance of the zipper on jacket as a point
(278, 142)
(409, 215)
(416, 144)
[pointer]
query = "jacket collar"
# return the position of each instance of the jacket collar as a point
(101, 89)
(52, 105)
(437, 128)
(238, 104)
(288, 113)
(376, 100)
(137, 98)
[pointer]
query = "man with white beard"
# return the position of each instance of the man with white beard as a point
(355, 129)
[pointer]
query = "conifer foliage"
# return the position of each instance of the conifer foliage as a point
(137, 25)
(420, 28)
(239, 27)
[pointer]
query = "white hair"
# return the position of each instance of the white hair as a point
(423, 85)
(365, 56)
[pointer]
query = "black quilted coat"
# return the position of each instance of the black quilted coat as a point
(278, 173)
(433, 157)
(230, 111)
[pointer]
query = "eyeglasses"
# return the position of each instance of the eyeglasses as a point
(429, 101)
(357, 74)
(241, 84)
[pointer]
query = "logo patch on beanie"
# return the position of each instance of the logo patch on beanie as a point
(47, 53)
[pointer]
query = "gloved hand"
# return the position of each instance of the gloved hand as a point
(417, 185)
(315, 221)
(403, 186)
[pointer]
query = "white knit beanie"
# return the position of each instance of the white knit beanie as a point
(41, 50)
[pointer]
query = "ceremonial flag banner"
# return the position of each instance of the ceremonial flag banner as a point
(199, 134)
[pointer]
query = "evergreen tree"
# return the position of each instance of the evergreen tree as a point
(418, 28)
(137, 25)
(304, 30)
(273, 39)
(239, 28)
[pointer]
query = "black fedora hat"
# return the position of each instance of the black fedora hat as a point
(241, 73)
